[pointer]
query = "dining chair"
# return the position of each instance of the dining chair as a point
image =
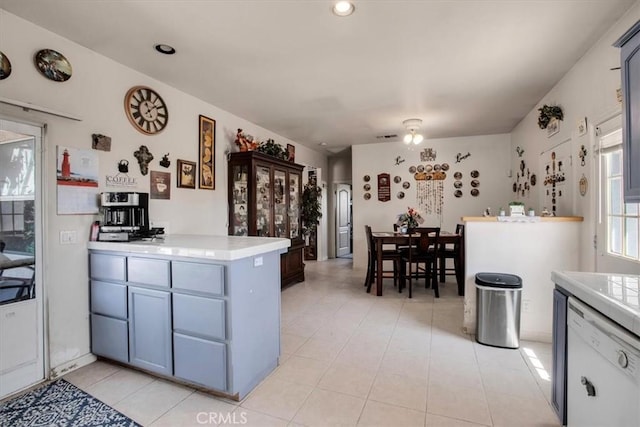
(14, 289)
(453, 252)
(387, 255)
(423, 249)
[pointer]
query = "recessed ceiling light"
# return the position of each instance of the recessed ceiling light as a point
(323, 144)
(343, 8)
(165, 49)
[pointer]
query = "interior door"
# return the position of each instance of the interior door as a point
(343, 220)
(21, 301)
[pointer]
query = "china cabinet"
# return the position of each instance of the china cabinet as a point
(264, 200)
(629, 45)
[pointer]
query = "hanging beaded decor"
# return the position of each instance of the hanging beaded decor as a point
(430, 195)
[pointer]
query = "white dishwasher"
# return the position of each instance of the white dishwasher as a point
(603, 370)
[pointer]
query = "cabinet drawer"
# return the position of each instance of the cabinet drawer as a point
(200, 361)
(109, 299)
(110, 338)
(199, 316)
(108, 267)
(148, 271)
(198, 277)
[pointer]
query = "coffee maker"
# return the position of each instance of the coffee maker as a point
(125, 216)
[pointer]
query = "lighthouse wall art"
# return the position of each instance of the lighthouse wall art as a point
(77, 179)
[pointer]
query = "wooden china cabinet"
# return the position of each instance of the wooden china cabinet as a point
(264, 200)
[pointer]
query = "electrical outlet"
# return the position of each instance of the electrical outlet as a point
(257, 261)
(526, 305)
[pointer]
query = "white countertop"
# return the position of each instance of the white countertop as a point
(617, 296)
(215, 248)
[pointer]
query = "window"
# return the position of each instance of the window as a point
(622, 219)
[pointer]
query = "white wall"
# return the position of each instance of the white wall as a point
(489, 156)
(587, 90)
(95, 93)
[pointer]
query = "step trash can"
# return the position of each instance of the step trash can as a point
(498, 301)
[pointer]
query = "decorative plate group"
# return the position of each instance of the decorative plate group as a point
(50, 63)
(457, 184)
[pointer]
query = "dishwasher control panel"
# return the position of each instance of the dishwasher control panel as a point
(618, 346)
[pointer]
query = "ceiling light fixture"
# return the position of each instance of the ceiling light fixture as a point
(343, 8)
(412, 126)
(165, 49)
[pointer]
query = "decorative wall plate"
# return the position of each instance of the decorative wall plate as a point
(445, 167)
(420, 168)
(475, 183)
(367, 187)
(475, 192)
(437, 167)
(406, 185)
(367, 196)
(366, 178)
(412, 169)
(428, 168)
(5, 66)
(458, 175)
(400, 194)
(53, 65)
(397, 179)
(475, 174)
(458, 193)
(457, 184)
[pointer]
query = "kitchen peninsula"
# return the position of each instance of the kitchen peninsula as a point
(204, 310)
(529, 247)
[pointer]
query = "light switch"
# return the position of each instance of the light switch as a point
(68, 237)
(257, 261)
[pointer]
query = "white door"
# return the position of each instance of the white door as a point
(617, 228)
(21, 308)
(343, 220)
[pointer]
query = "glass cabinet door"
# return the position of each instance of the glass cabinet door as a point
(263, 201)
(294, 205)
(279, 203)
(239, 201)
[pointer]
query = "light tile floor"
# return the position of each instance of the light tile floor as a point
(351, 358)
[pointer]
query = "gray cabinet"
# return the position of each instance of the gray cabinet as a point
(150, 330)
(629, 45)
(214, 324)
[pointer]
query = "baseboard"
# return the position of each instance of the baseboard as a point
(71, 365)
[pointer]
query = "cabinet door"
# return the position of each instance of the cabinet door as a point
(150, 330)
(200, 361)
(109, 338)
(630, 65)
(559, 348)
(295, 221)
(238, 196)
(280, 212)
(264, 212)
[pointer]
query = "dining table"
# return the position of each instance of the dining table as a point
(381, 238)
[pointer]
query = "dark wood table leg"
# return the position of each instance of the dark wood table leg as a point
(379, 268)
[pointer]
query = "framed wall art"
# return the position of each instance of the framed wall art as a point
(186, 174)
(291, 153)
(207, 153)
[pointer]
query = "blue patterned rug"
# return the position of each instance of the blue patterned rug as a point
(60, 404)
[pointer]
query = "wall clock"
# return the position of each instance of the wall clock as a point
(146, 110)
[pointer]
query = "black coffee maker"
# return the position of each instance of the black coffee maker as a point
(125, 216)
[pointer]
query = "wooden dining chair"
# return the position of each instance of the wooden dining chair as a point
(423, 250)
(453, 252)
(387, 255)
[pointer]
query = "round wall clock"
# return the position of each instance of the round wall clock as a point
(146, 110)
(53, 65)
(5, 66)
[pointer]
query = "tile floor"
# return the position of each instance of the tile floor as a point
(351, 358)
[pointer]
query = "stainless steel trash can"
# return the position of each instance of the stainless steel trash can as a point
(498, 298)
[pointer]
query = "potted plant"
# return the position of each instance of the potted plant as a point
(547, 113)
(272, 148)
(310, 208)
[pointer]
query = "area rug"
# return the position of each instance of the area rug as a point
(60, 404)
